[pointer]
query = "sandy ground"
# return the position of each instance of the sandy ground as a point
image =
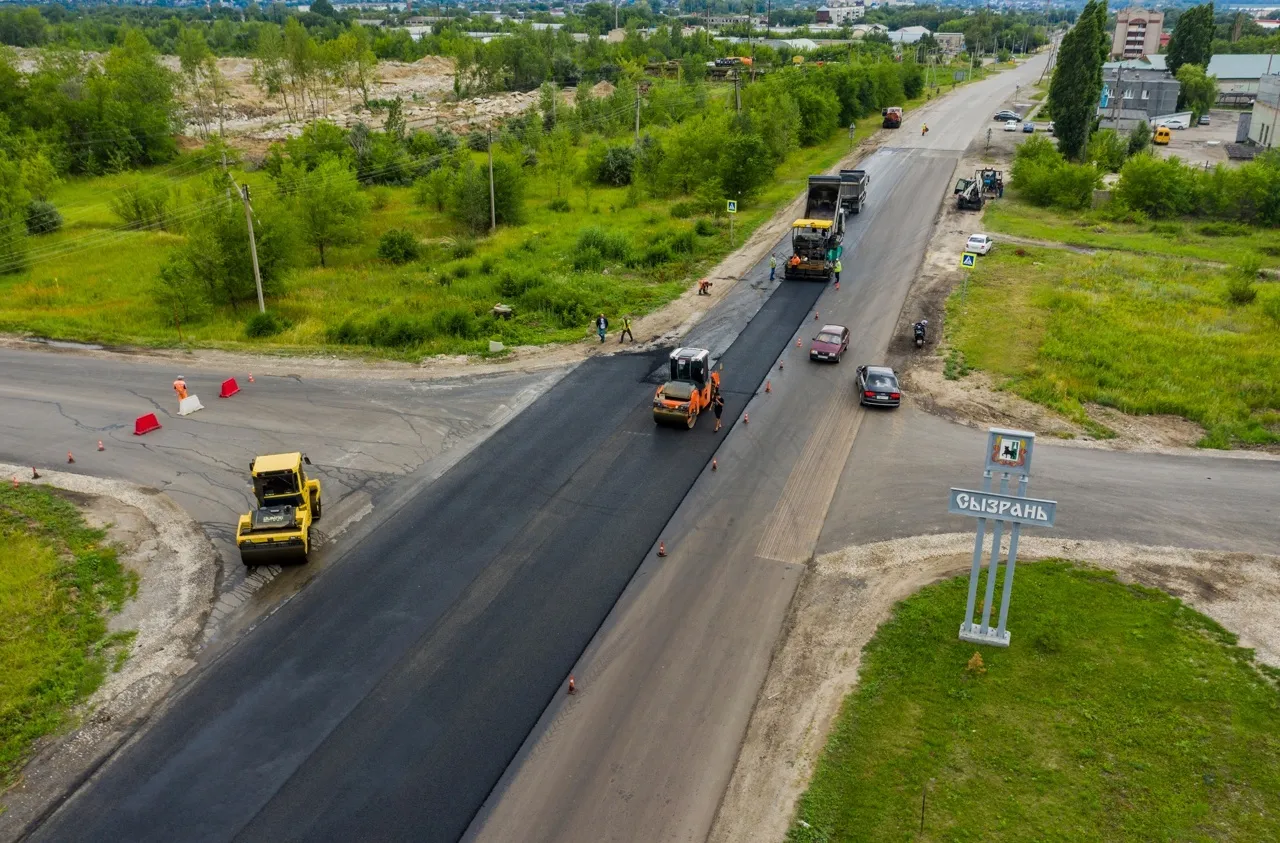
(176, 567)
(846, 595)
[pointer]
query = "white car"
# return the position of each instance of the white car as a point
(979, 243)
(1051, 127)
(1175, 123)
(1011, 126)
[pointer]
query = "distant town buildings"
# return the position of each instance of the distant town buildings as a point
(841, 12)
(1137, 33)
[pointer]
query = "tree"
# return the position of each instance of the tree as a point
(557, 157)
(1139, 138)
(39, 176)
(1077, 83)
(327, 203)
(1192, 39)
(434, 189)
(13, 217)
(469, 204)
(1198, 91)
(745, 165)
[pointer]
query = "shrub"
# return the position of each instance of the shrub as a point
(588, 259)
(457, 322)
(477, 141)
(142, 204)
(463, 247)
(684, 210)
(398, 246)
(487, 265)
(617, 166)
(460, 270)
(1108, 150)
(655, 254)
(1224, 229)
(264, 325)
(560, 205)
(1158, 187)
(1240, 290)
(704, 227)
(42, 218)
(1271, 307)
(611, 245)
(379, 198)
(1043, 177)
(684, 242)
(512, 285)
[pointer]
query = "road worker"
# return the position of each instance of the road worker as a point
(180, 387)
(626, 329)
(773, 266)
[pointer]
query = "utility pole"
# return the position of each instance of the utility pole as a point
(637, 111)
(768, 18)
(253, 247)
(493, 208)
(253, 243)
(737, 91)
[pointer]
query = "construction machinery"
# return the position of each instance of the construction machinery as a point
(815, 237)
(279, 529)
(689, 391)
(892, 117)
(853, 193)
(991, 180)
(968, 193)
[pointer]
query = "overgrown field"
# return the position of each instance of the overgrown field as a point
(1118, 713)
(1217, 241)
(56, 581)
(1142, 334)
(580, 252)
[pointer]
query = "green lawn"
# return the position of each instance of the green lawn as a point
(56, 580)
(1203, 240)
(1141, 334)
(1117, 714)
(103, 294)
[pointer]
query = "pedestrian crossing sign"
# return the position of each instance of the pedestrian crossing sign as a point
(969, 260)
(733, 206)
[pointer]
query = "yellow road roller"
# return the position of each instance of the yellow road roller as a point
(279, 529)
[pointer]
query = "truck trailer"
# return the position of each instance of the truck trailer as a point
(853, 194)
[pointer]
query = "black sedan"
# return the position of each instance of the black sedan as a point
(878, 387)
(1008, 115)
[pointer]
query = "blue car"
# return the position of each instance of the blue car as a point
(1028, 127)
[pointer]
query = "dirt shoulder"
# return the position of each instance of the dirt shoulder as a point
(847, 594)
(176, 567)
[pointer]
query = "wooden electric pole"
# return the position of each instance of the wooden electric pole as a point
(493, 208)
(243, 190)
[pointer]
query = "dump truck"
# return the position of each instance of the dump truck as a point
(288, 503)
(688, 391)
(815, 237)
(853, 193)
(892, 117)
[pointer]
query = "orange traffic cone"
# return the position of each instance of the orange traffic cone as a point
(573, 689)
(767, 387)
(662, 549)
(746, 419)
(780, 365)
(70, 458)
(251, 377)
(815, 316)
(100, 448)
(797, 342)
(714, 466)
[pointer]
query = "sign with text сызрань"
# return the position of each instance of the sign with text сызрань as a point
(1009, 454)
(1029, 511)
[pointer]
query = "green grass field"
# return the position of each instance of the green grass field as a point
(1141, 334)
(1216, 242)
(56, 580)
(103, 295)
(1118, 713)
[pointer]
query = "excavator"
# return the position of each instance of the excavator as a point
(689, 391)
(279, 529)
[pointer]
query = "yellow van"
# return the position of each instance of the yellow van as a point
(1162, 135)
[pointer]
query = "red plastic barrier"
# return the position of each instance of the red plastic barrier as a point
(146, 424)
(229, 388)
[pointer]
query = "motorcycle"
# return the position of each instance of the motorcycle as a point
(920, 328)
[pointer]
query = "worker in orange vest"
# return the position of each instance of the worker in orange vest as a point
(180, 387)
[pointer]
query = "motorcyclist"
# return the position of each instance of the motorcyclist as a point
(920, 329)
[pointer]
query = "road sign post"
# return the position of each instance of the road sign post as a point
(731, 207)
(1009, 453)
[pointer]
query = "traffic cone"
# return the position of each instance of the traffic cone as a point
(746, 419)
(662, 549)
(797, 342)
(767, 387)
(837, 285)
(714, 466)
(35, 475)
(15, 481)
(573, 689)
(815, 316)
(780, 365)
(70, 458)
(100, 448)
(251, 377)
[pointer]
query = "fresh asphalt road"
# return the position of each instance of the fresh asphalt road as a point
(362, 436)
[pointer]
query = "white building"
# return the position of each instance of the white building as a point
(908, 34)
(1266, 112)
